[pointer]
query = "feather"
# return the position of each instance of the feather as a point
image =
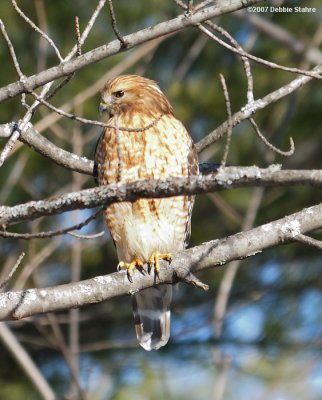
(151, 310)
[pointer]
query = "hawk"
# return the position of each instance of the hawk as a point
(145, 141)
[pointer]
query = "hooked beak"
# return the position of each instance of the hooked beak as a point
(103, 107)
(106, 104)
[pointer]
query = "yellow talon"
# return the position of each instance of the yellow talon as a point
(136, 263)
(155, 258)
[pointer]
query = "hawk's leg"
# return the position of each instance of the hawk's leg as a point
(155, 258)
(136, 263)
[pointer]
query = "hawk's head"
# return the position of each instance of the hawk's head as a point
(133, 94)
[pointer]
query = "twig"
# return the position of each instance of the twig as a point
(190, 6)
(26, 363)
(57, 88)
(229, 129)
(43, 235)
(43, 25)
(10, 143)
(23, 124)
(246, 64)
(13, 270)
(232, 269)
(170, 26)
(37, 259)
(114, 25)
(13, 177)
(281, 35)
(94, 236)
(11, 50)
(181, 4)
(259, 60)
(87, 30)
(119, 151)
(77, 32)
(15, 61)
(66, 354)
(203, 4)
(48, 149)
(250, 109)
(269, 145)
(91, 90)
(184, 275)
(93, 122)
(317, 244)
(37, 29)
(83, 165)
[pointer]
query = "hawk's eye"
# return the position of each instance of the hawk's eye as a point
(118, 94)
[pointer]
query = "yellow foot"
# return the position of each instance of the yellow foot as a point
(155, 258)
(136, 263)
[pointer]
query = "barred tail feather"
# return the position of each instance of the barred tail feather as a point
(151, 309)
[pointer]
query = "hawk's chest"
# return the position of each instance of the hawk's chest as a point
(153, 153)
(161, 151)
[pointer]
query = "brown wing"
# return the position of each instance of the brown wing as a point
(193, 169)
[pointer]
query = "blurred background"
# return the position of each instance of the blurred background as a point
(257, 333)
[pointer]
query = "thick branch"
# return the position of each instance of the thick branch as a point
(225, 178)
(17, 305)
(176, 24)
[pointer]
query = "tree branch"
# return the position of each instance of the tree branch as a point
(224, 178)
(176, 24)
(17, 305)
(72, 161)
(247, 111)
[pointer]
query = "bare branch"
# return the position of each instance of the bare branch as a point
(56, 89)
(259, 60)
(86, 31)
(93, 122)
(26, 363)
(67, 354)
(13, 270)
(38, 258)
(78, 37)
(281, 35)
(17, 305)
(11, 50)
(24, 123)
(184, 275)
(269, 145)
(37, 29)
(249, 77)
(83, 165)
(10, 143)
(94, 236)
(250, 109)
(44, 235)
(114, 25)
(173, 25)
(91, 90)
(317, 244)
(228, 109)
(232, 269)
(62, 157)
(228, 177)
